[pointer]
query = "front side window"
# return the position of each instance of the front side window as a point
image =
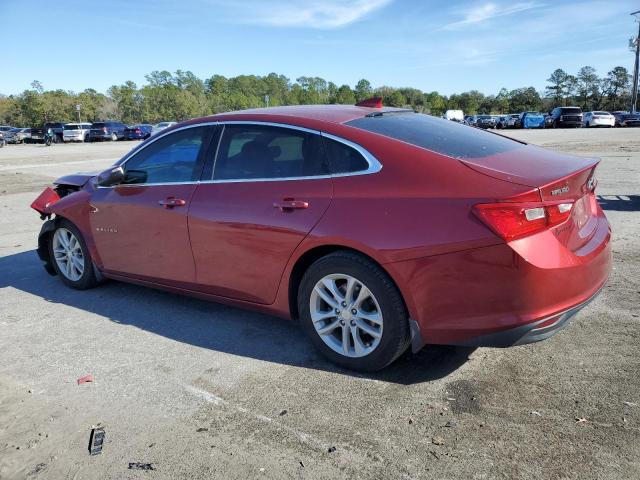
(170, 159)
(267, 152)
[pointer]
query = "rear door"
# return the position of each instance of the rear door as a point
(270, 186)
(140, 227)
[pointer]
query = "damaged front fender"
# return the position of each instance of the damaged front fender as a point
(43, 245)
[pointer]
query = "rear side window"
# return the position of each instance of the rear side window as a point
(436, 134)
(342, 158)
(261, 152)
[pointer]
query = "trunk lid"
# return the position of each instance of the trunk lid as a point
(558, 178)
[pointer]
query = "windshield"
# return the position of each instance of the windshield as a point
(571, 110)
(97, 125)
(438, 135)
(72, 126)
(484, 117)
(163, 125)
(601, 113)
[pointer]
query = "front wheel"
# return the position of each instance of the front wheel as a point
(353, 312)
(70, 257)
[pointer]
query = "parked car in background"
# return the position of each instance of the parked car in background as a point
(502, 121)
(107, 130)
(521, 245)
(138, 132)
(531, 120)
(512, 120)
(37, 134)
(561, 117)
(483, 121)
(626, 119)
(5, 128)
(13, 135)
(158, 127)
(598, 119)
(455, 115)
(76, 132)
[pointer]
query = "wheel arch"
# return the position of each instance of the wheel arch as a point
(304, 261)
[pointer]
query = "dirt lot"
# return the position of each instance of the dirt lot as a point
(201, 390)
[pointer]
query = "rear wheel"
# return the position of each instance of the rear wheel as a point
(70, 257)
(353, 312)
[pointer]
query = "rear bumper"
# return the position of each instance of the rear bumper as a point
(504, 294)
(531, 332)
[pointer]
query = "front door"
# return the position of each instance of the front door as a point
(270, 186)
(140, 227)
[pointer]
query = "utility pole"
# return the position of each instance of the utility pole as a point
(78, 106)
(634, 92)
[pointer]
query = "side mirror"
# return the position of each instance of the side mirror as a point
(111, 177)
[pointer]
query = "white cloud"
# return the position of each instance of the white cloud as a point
(489, 11)
(321, 14)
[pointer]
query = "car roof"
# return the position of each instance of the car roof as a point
(326, 113)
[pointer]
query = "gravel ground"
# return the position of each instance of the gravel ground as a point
(200, 390)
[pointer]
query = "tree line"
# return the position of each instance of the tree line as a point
(182, 95)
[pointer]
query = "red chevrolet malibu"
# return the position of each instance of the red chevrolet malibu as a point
(375, 228)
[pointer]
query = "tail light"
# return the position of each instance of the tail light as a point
(511, 220)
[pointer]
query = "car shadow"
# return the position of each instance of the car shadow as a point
(212, 325)
(623, 203)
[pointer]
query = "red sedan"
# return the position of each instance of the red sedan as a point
(375, 228)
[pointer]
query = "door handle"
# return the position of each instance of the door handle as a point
(288, 205)
(172, 202)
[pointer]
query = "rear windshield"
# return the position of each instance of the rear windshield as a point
(97, 125)
(601, 113)
(438, 135)
(571, 110)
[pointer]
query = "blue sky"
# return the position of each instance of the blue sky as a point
(448, 46)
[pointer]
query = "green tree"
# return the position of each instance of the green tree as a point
(363, 90)
(557, 89)
(525, 99)
(617, 84)
(396, 99)
(588, 87)
(345, 95)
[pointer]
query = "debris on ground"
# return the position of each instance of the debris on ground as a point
(141, 466)
(202, 429)
(85, 379)
(283, 412)
(581, 420)
(630, 404)
(450, 424)
(96, 440)
(437, 440)
(410, 421)
(535, 412)
(331, 449)
(301, 464)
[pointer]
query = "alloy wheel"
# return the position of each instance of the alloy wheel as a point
(346, 315)
(68, 254)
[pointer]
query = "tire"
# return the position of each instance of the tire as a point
(114, 137)
(588, 124)
(74, 278)
(388, 339)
